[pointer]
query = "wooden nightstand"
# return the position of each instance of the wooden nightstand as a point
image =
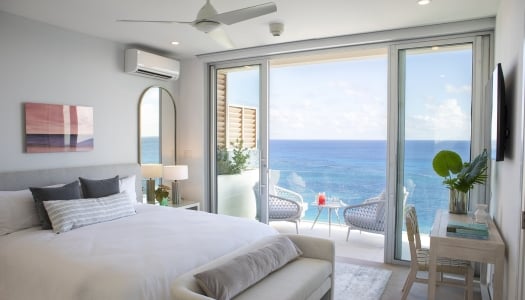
(187, 204)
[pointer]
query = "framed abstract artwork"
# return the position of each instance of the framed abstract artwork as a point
(58, 128)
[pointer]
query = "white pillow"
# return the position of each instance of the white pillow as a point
(66, 215)
(17, 211)
(127, 184)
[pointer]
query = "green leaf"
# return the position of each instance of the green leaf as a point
(446, 162)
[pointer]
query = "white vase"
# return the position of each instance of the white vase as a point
(481, 215)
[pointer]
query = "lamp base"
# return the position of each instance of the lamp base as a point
(150, 191)
(175, 192)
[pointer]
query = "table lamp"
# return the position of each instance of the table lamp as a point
(175, 173)
(151, 171)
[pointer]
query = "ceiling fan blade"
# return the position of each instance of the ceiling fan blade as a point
(146, 21)
(220, 36)
(242, 14)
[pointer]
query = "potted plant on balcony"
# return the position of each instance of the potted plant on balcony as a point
(460, 177)
(235, 183)
(237, 163)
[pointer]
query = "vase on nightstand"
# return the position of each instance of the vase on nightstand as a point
(164, 201)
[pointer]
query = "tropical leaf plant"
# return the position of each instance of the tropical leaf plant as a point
(234, 164)
(458, 175)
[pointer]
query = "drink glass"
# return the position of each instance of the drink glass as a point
(321, 199)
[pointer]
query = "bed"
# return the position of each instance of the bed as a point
(133, 257)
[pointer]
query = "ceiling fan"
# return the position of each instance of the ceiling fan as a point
(209, 21)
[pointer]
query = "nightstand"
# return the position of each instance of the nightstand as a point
(187, 204)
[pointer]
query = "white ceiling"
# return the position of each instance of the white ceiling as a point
(303, 19)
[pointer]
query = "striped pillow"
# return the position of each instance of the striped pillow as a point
(66, 215)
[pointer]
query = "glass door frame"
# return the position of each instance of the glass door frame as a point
(480, 130)
(263, 131)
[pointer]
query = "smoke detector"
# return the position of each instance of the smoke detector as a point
(276, 29)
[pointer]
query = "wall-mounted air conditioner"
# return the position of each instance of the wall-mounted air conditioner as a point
(151, 65)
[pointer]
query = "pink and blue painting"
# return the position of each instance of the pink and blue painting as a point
(58, 128)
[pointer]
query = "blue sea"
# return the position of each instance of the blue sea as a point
(150, 150)
(354, 170)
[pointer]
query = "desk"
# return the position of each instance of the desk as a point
(331, 206)
(490, 251)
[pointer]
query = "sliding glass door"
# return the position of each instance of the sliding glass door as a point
(434, 111)
(239, 140)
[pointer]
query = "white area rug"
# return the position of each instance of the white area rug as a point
(359, 282)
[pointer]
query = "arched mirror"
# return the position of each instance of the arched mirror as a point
(157, 127)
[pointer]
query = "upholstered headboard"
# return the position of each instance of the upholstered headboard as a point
(19, 180)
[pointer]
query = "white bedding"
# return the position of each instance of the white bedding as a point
(135, 257)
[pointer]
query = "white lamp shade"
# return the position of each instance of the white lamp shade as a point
(176, 172)
(151, 170)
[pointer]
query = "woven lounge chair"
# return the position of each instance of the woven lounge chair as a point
(368, 216)
(284, 204)
(419, 261)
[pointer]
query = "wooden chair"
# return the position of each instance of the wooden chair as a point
(419, 261)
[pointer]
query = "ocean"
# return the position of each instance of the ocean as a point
(150, 150)
(354, 170)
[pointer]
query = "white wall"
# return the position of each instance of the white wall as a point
(510, 35)
(42, 63)
(192, 128)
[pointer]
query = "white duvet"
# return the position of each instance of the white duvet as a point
(135, 257)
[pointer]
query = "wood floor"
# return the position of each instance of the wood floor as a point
(368, 249)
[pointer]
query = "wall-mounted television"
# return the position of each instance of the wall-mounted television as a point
(499, 125)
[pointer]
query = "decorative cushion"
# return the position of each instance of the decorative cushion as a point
(127, 184)
(230, 279)
(66, 215)
(17, 211)
(65, 192)
(100, 187)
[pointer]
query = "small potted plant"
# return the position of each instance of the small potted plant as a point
(460, 177)
(237, 163)
(161, 194)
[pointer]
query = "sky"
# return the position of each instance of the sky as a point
(149, 110)
(347, 100)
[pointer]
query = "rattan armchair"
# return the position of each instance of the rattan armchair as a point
(286, 205)
(368, 216)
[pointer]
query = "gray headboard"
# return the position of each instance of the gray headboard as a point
(19, 180)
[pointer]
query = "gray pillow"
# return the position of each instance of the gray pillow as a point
(231, 278)
(71, 214)
(100, 187)
(41, 194)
